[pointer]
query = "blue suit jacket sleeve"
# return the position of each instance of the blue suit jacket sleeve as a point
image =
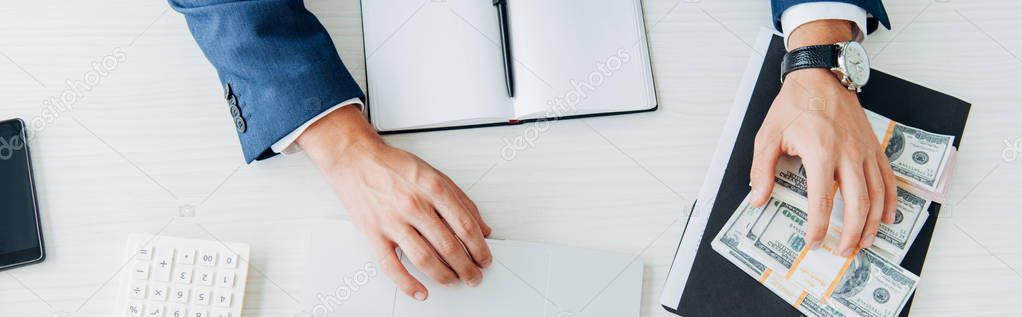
(279, 60)
(874, 7)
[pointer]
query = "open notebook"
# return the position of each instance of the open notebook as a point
(440, 64)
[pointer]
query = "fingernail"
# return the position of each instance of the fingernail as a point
(847, 252)
(473, 282)
(755, 193)
(420, 296)
(486, 263)
(868, 241)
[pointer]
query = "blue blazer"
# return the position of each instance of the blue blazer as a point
(279, 67)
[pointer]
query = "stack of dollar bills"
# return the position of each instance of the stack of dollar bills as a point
(769, 243)
(923, 161)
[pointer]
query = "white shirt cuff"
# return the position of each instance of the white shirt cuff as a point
(803, 13)
(287, 145)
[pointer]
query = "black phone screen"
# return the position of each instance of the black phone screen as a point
(20, 237)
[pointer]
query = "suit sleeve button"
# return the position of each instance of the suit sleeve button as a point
(239, 123)
(227, 91)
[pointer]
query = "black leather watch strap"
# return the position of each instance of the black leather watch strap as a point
(813, 56)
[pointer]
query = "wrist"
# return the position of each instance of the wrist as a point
(819, 80)
(338, 134)
(822, 32)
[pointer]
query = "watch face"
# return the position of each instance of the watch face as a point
(855, 63)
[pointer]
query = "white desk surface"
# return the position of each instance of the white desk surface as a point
(154, 136)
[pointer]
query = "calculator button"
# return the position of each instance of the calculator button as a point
(177, 311)
(225, 279)
(204, 277)
(186, 256)
(202, 297)
(141, 271)
(183, 276)
(158, 293)
(198, 312)
(222, 299)
(207, 258)
(180, 295)
(220, 313)
(154, 310)
(135, 310)
(137, 291)
(144, 253)
(162, 264)
(230, 261)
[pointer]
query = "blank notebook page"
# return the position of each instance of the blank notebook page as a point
(559, 47)
(443, 54)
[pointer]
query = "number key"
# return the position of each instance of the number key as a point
(180, 295)
(207, 258)
(204, 277)
(202, 297)
(226, 279)
(230, 261)
(183, 276)
(177, 312)
(222, 299)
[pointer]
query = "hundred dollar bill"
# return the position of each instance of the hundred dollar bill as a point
(796, 297)
(791, 175)
(917, 156)
(943, 186)
(727, 240)
(909, 218)
(873, 287)
(894, 238)
(726, 244)
(776, 239)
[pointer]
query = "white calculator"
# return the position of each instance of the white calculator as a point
(177, 277)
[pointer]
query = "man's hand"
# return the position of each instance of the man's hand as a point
(397, 200)
(819, 120)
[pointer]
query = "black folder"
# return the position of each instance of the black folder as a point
(716, 287)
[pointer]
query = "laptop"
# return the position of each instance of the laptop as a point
(526, 279)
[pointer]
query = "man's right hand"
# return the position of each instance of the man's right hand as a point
(398, 200)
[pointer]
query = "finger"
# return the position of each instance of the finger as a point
(877, 191)
(462, 222)
(450, 249)
(471, 206)
(857, 202)
(820, 189)
(890, 188)
(764, 161)
(421, 254)
(392, 267)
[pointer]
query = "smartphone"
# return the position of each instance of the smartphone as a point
(21, 236)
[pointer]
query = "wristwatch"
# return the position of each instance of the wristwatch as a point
(847, 60)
